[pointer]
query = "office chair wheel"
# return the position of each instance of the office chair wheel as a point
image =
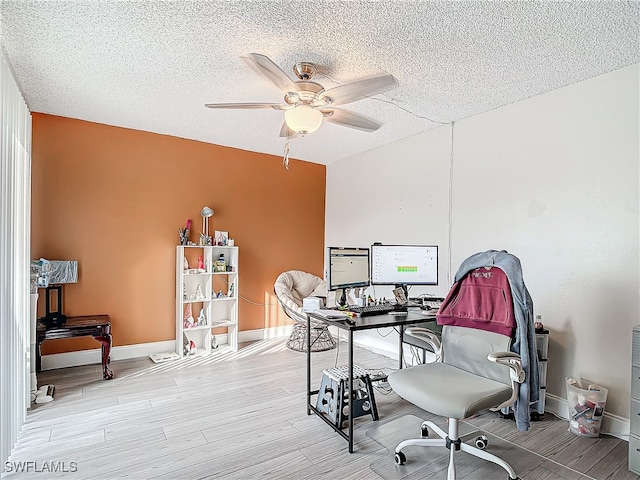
(400, 458)
(481, 442)
(424, 431)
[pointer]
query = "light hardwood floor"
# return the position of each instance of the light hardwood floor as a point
(242, 416)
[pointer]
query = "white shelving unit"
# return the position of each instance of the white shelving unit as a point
(542, 346)
(210, 292)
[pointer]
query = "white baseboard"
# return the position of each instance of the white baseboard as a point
(264, 333)
(125, 352)
(92, 356)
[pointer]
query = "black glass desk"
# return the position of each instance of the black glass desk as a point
(354, 325)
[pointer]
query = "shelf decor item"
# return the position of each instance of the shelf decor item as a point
(188, 321)
(202, 320)
(184, 234)
(221, 238)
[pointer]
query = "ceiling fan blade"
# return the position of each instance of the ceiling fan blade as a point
(286, 132)
(275, 106)
(270, 70)
(351, 120)
(350, 92)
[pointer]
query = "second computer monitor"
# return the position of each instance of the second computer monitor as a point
(348, 267)
(403, 265)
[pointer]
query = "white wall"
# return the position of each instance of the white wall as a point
(554, 180)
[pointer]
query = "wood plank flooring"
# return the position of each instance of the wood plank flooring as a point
(242, 415)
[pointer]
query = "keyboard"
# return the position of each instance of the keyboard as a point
(371, 309)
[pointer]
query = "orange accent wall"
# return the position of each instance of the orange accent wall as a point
(113, 199)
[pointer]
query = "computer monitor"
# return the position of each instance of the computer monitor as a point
(402, 265)
(348, 267)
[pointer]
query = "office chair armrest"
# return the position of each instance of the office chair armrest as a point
(511, 360)
(427, 336)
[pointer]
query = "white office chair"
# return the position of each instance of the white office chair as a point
(475, 371)
(291, 288)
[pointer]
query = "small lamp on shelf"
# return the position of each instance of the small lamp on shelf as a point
(206, 213)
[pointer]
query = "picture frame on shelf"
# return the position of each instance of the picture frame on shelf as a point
(221, 238)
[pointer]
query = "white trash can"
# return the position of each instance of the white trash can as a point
(586, 407)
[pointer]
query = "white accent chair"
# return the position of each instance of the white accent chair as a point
(474, 371)
(291, 288)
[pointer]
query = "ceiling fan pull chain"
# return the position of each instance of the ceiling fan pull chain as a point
(285, 160)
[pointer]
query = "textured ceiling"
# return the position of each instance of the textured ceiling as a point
(153, 65)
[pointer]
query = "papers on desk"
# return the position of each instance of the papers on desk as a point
(331, 314)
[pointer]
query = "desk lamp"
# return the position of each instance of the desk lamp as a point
(206, 213)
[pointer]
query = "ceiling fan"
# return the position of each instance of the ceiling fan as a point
(306, 103)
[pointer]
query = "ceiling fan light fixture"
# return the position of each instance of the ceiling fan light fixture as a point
(303, 119)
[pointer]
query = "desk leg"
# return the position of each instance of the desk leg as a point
(38, 357)
(400, 346)
(351, 395)
(105, 340)
(308, 365)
